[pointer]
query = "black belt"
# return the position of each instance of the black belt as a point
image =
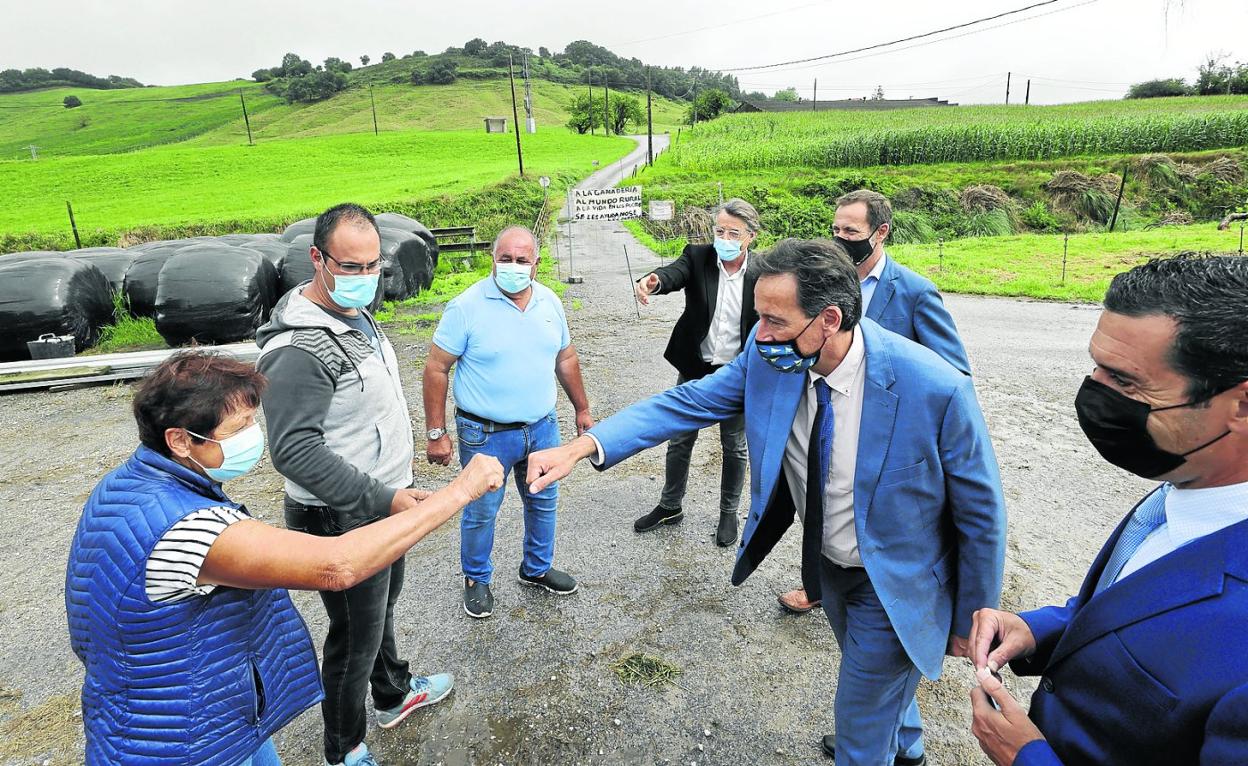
(487, 425)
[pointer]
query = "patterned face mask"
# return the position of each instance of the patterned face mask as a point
(784, 355)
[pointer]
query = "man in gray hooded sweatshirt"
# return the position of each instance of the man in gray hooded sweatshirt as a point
(340, 433)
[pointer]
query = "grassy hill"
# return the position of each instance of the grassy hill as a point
(121, 120)
(182, 188)
(210, 114)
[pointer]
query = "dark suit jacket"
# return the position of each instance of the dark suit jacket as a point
(697, 273)
(1154, 669)
(910, 305)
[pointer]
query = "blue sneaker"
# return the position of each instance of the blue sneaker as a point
(426, 690)
(357, 757)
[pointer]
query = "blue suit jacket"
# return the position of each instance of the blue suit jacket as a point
(910, 305)
(928, 507)
(1152, 670)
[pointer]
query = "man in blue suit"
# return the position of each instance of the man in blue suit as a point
(893, 296)
(904, 530)
(1149, 663)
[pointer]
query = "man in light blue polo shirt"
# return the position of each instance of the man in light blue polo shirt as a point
(505, 336)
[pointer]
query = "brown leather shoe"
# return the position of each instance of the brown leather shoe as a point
(795, 602)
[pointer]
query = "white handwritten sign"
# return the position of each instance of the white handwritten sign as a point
(606, 204)
(662, 210)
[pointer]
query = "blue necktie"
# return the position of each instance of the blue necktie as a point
(1150, 515)
(818, 459)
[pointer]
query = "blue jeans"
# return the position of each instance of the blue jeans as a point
(265, 756)
(877, 717)
(476, 525)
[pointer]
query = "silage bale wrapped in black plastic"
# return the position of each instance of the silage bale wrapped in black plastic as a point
(57, 295)
(143, 277)
(295, 267)
(113, 261)
(273, 250)
(406, 268)
(34, 255)
(298, 229)
(406, 223)
(214, 293)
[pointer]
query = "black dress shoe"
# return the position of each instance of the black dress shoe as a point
(657, 518)
(829, 749)
(726, 533)
(478, 600)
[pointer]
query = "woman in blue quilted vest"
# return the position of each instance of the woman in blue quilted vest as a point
(194, 653)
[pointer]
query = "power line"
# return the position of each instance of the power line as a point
(968, 33)
(838, 54)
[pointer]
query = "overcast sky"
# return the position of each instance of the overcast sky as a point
(1072, 50)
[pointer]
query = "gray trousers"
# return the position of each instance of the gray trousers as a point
(732, 476)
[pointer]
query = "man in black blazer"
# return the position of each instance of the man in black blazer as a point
(719, 313)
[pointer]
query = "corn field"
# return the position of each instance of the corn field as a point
(834, 139)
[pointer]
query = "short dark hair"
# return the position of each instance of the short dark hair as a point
(348, 212)
(194, 390)
(879, 209)
(1207, 297)
(825, 276)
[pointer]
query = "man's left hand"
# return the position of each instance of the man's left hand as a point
(958, 646)
(1001, 733)
(584, 422)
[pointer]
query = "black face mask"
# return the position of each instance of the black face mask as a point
(859, 250)
(1117, 426)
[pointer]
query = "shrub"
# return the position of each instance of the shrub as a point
(1038, 217)
(1175, 86)
(72, 101)
(911, 227)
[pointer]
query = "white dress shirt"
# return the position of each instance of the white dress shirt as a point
(869, 284)
(723, 339)
(840, 539)
(1190, 514)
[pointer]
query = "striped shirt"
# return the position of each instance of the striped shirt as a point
(174, 564)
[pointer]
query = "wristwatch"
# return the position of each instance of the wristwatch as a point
(436, 433)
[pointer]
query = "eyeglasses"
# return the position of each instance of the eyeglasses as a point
(733, 234)
(354, 268)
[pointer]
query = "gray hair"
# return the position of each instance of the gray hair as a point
(537, 250)
(824, 274)
(879, 210)
(739, 208)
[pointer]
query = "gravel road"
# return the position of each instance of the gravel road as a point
(534, 682)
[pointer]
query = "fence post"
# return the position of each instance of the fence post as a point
(940, 255)
(1065, 247)
(73, 225)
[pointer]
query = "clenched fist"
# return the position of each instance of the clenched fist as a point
(483, 474)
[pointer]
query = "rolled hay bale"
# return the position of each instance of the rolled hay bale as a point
(406, 266)
(298, 228)
(143, 277)
(981, 198)
(113, 261)
(57, 295)
(1225, 169)
(406, 223)
(214, 293)
(295, 266)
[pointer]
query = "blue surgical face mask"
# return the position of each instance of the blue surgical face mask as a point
(727, 249)
(352, 291)
(240, 453)
(512, 277)
(784, 356)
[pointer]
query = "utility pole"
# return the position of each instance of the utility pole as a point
(246, 119)
(374, 103)
(649, 123)
(528, 98)
(34, 152)
(1027, 96)
(695, 104)
(515, 114)
(1007, 87)
(606, 104)
(814, 102)
(589, 75)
